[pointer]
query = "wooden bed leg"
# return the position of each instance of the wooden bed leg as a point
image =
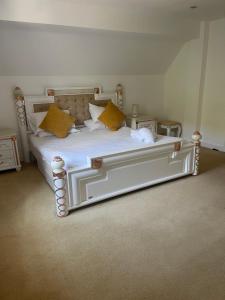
(59, 180)
(196, 140)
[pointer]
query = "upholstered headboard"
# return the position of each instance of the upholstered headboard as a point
(78, 105)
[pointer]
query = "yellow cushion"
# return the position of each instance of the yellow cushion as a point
(112, 117)
(57, 122)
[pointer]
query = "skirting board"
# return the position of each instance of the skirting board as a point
(213, 146)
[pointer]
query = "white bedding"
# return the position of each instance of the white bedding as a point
(76, 149)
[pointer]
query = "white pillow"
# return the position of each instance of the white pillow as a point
(95, 111)
(91, 125)
(43, 133)
(35, 121)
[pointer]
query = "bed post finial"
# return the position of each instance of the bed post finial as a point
(59, 180)
(196, 137)
(119, 93)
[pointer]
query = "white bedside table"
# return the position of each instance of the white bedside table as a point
(142, 121)
(9, 156)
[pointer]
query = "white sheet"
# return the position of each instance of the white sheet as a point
(76, 149)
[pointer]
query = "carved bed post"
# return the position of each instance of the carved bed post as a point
(119, 93)
(196, 137)
(22, 122)
(59, 180)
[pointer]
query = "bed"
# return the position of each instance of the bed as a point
(87, 167)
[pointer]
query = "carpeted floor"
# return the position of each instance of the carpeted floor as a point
(165, 242)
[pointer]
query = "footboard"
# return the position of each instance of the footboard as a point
(118, 174)
(115, 174)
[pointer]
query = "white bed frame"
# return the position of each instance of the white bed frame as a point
(109, 175)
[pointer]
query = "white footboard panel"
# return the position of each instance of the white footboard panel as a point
(121, 173)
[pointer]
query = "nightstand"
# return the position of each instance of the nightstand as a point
(9, 156)
(171, 125)
(142, 121)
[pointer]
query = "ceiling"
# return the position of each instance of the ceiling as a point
(173, 19)
(206, 9)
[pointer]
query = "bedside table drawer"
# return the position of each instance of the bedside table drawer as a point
(146, 124)
(7, 163)
(5, 144)
(6, 154)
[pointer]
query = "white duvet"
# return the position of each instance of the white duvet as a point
(77, 149)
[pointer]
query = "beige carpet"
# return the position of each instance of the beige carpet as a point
(165, 242)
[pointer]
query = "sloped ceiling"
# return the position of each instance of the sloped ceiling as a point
(123, 16)
(28, 49)
(97, 37)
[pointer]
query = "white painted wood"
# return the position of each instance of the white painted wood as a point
(121, 173)
(142, 121)
(169, 129)
(9, 155)
(31, 100)
(59, 180)
(56, 91)
(107, 96)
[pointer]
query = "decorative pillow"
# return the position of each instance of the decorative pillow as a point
(35, 121)
(91, 125)
(57, 122)
(112, 117)
(95, 111)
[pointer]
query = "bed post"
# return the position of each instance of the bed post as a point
(22, 121)
(59, 180)
(196, 137)
(119, 94)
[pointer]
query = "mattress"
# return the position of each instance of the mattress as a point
(77, 148)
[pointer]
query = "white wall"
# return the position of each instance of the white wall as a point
(213, 112)
(195, 86)
(182, 87)
(47, 50)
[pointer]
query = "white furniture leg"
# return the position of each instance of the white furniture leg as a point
(59, 180)
(179, 130)
(168, 131)
(196, 140)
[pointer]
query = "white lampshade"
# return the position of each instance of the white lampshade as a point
(135, 109)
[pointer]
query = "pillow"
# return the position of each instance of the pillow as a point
(91, 125)
(112, 117)
(43, 133)
(57, 122)
(95, 111)
(35, 121)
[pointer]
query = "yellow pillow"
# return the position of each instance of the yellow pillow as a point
(112, 117)
(57, 122)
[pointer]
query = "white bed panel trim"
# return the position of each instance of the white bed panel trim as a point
(143, 168)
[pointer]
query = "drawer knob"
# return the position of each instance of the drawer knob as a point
(1, 162)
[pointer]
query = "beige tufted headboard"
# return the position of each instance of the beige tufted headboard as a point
(78, 105)
(76, 100)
